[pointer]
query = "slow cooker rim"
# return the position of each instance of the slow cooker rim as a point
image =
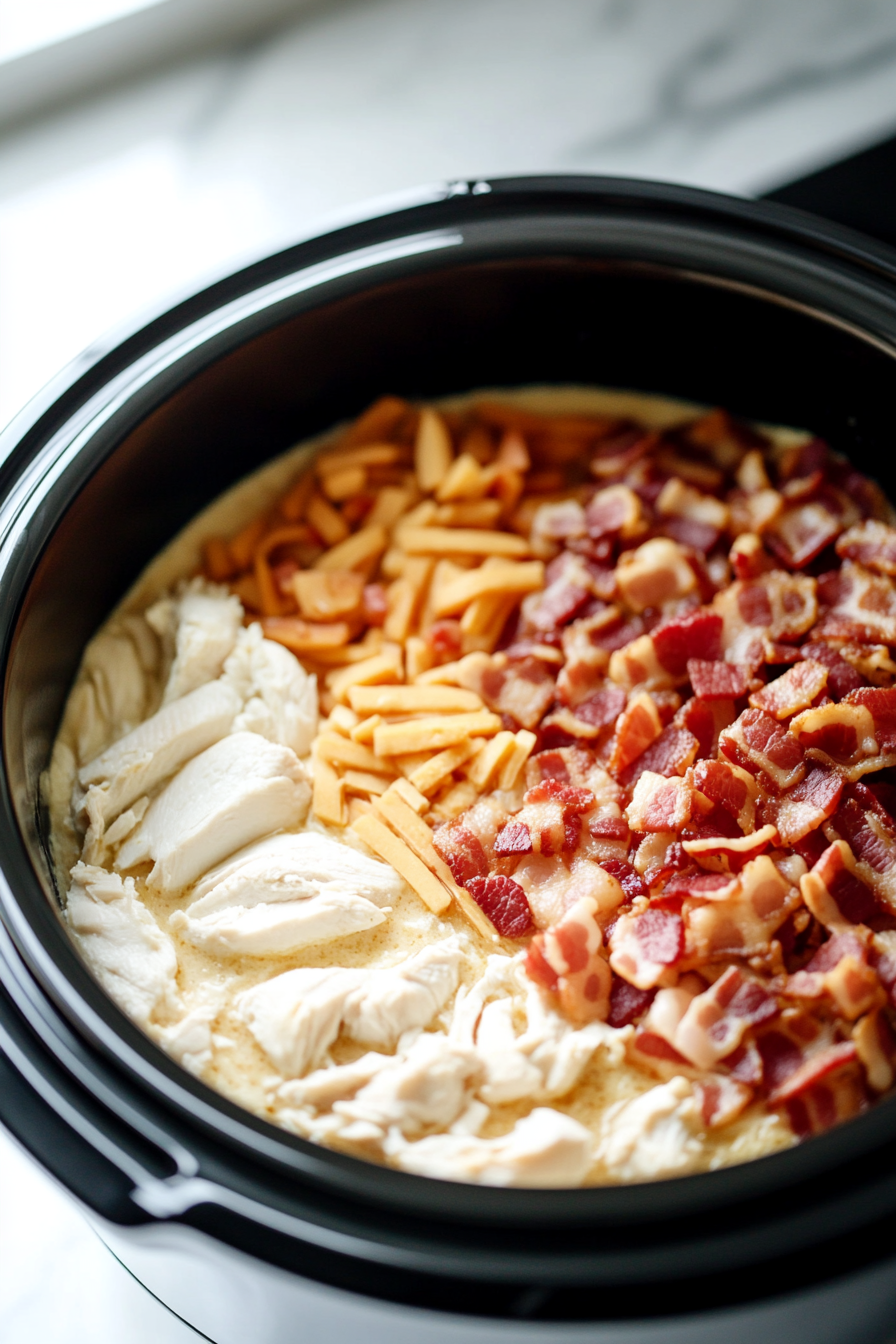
(885, 264)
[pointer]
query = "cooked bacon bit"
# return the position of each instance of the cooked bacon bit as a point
(881, 705)
(644, 946)
(655, 573)
(570, 949)
(697, 635)
(661, 804)
(603, 708)
(863, 606)
(718, 680)
(631, 881)
(616, 455)
(743, 924)
(513, 838)
(811, 1071)
(671, 754)
(761, 745)
(637, 726)
(714, 1022)
(834, 893)
(841, 735)
(876, 1048)
(572, 800)
(724, 854)
(872, 544)
(462, 851)
(703, 886)
(652, 1050)
(606, 827)
(706, 719)
(748, 557)
(615, 510)
(504, 901)
(732, 791)
(842, 677)
(554, 523)
(797, 689)
(627, 1002)
(522, 690)
(800, 534)
(722, 1099)
(806, 806)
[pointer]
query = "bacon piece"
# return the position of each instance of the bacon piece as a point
(603, 707)
(704, 886)
(721, 1099)
(871, 834)
(567, 590)
(696, 635)
(799, 534)
(565, 764)
(670, 754)
(551, 829)
(706, 719)
(657, 572)
(843, 736)
(718, 680)
(797, 689)
(863, 606)
(661, 804)
(556, 523)
(613, 511)
(806, 806)
(811, 1071)
(774, 607)
(462, 851)
(523, 690)
(637, 726)
(604, 826)
(761, 745)
(651, 1050)
(629, 879)
(721, 853)
(617, 455)
(840, 969)
(876, 1048)
(742, 924)
(513, 838)
(872, 544)
(504, 902)
(644, 946)
(731, 790)
(748, 557)
(585, 654)
(834, 892)
(714, 1022)
(571, 799)
(571, 948)
(842, 677)
(627, 1002)
(881, 705)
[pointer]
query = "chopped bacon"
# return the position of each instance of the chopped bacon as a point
(554, 523)
(618, 454)
(513, 838)
(572, 800)
(745, 1063)
(585, 655)
(703, 886)
(876, 1048)
(603, 826)
(732, 791)
(504, 902)
(845, 735)
(881, 705)
(872, 544)
(462, 851)
(805, 807)
(718, 680)
(706, 719)
(627, 1002)
(714, 1022)
(565, 764)
(743, 924)
(863, 607)
(644, 946)
(602, 708)
(797, 689)
(842, 677)
(657, 572)
(748, 557)
(660, 804)
(567, 592)
(758, 743)
(721, 1098)
(799, 534)
(637, 726)
(810, 1071)
(617, 509)
(571, 948)
(629, 879)
(722, 853)
(871, 834)
(523, 690)
(833, 891)
(670, 754)
(696, 635)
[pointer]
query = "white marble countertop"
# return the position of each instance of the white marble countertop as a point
(116, 204)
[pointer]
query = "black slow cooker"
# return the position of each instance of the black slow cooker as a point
(250, 1234)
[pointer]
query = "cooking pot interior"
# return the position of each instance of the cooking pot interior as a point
(504, 323)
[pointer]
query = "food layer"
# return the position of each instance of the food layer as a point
(509, 796)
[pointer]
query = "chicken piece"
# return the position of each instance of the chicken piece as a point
(133, 959)
(325, 1086)
(393, 1001)
(234, 792)
(279, 696)
(143, 758)
(295, 1017)
(429, 1086)
(653, 1135)
(545, 1149)
(287, 892)
(199, 627)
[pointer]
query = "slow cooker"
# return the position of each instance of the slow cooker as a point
(257, 1237)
